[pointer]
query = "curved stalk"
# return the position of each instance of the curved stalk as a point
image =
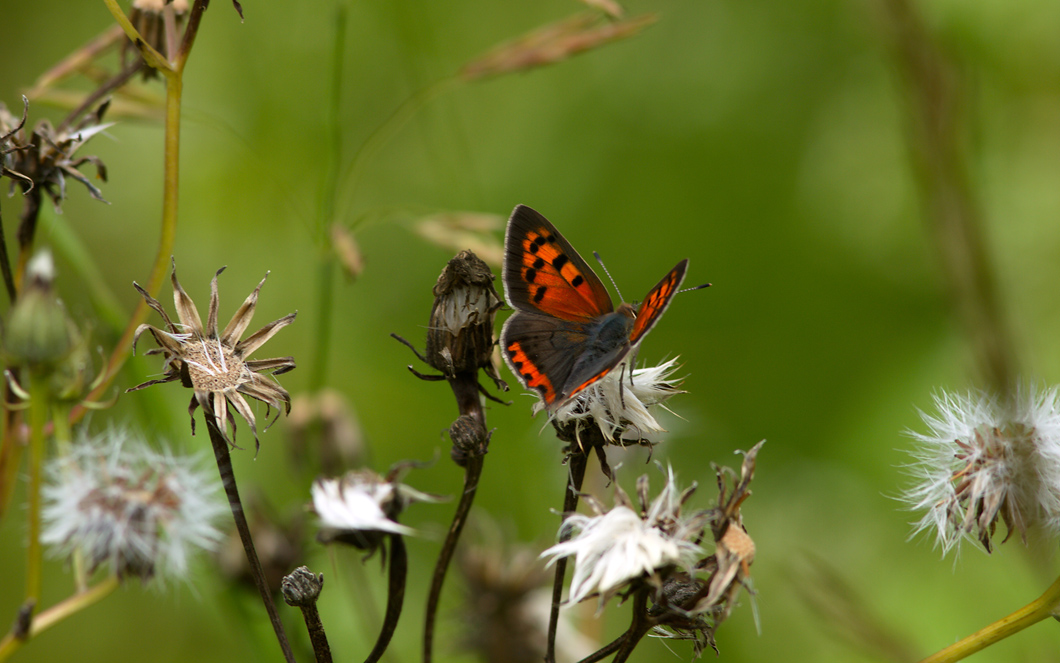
(1046, 605)
(399, 564)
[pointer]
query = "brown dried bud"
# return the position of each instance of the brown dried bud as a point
(460, 335)
(302, 587)
(469, 438)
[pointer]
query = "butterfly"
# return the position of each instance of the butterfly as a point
(565, 333)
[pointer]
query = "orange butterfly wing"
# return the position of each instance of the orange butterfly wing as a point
(653, 306)
(553, 340)
(544, 274)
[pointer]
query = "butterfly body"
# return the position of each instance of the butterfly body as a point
(565, 333)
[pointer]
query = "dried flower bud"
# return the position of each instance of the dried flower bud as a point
(39, 334)
(460, 335)
(302, 587)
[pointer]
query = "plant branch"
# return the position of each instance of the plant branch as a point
(228, 479)
(1046, 605)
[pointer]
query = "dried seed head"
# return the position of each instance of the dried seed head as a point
(361, 507)
(621, 546)
(460, 336)
(553, 43)
(692, 607)
(985, 461)
(618, 404)
(138, 511)
(215, 365)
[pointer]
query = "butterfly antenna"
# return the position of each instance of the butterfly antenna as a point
(698, 287)
(613, 284)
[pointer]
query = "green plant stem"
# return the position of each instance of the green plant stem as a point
(1046, 605)
(38, 418)
(55, 614)
(63, 436)
(173, 75)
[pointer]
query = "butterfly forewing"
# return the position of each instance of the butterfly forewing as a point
(543, 273)
(656, 302)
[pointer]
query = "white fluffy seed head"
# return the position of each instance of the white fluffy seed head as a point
(138, 511)
(983, 460)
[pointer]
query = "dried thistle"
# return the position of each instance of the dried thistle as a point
(215, 365)
(985, 462)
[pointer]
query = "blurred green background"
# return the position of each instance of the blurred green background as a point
(764, 140)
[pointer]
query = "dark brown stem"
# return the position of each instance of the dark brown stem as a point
(399, 564)
(579, 460)
(472, 472)
(638, 627)
(192, 30)
(228, 480)
(465, 388)
(5, 265)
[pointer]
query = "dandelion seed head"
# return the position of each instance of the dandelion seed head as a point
(139, 511)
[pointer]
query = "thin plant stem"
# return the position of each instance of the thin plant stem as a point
(1046, 605)
(471, 477)
(55, 614)
(173, 74)
(39, 408)
(579, 460)
(228, 480)
(63, 436)
(638, 627)
(399, 564)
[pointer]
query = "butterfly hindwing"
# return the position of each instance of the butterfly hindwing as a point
(542, 351)
(544, 274)
(653, 306)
